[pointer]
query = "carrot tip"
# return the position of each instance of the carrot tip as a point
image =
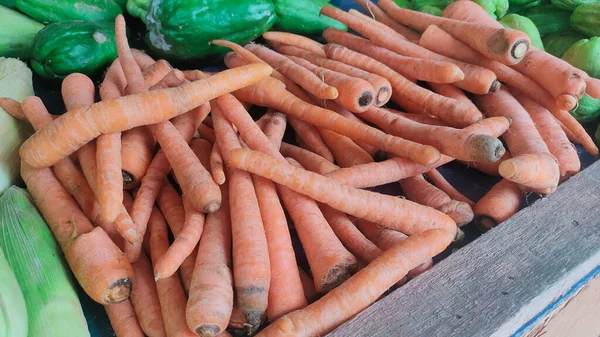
(128, 178)
(495, 86)
(208, 330)
(520, 49)
(119, 291)
(131, 235)
(484, 223)
(212, 206)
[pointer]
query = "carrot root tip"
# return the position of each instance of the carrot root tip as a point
(495, 86)
(487, 149)
(128, 178)
(365, 99)
(118, 292)
(212, 206)
(208, 330)
(336, 276)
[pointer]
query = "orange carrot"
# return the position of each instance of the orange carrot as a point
(564, 82)
(532, 165)
(556, 140)
(309, 160)
(380, 274)
(308, 285)
(206, 133)
(374, 11)
(170, 293)
(275, 128)
(216, 165)
(13, 108)
(144, 298)
(295, 40)
(452, 142)
(436, 178)
(250, 253)
(452, 91)
(123, 320)
(488, 168)
(155, 72)
(270, 93)
(345, 151)
(507, 46)
(97, 263)
(330, 263)
(592, 87)
(211, 291)
(420, 118)
(419, 190)
(454, 112)
(371, 150)
(301, 76)
(391, 212)
(476, 79)
(355, 94)
(130, 111)
(500, 203)
(383, 90)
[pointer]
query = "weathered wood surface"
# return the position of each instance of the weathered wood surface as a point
(496, 284)
(578, 316)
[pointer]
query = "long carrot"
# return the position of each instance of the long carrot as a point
(556, 140)
(97, 263)
(488, 168)
(503, 45)
(170, 293)
(295, 40)
(451, 91)
(360, 290)
(452, 142)
(371, 150)
(391, 212)
(308, 286)
(309, 160)
(130, 111)
(592, 87)
(383, 90)
(207, 133)
(211, 292)
(144, 298)
(419, 190)
(500, 203)
(155, 72)
(270, 93)
(346, 152)
(379, 15)
(477, 79)
(216, 165)
(436, 178)
(301, 76)
(123, 320)
(250, 253)
(13, 108)
(453, 112)
(532, 165)
(355, 94)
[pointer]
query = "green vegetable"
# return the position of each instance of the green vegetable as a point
(586, 19)
(403, 3)
(585, 55)
(549, 19)
(597, 135)
(570, 5)
(518, 22)
(182, 29)
(441, 4)
(8, 3)
(431, 10)
(16, 33)
(69, 47)
(138, 8)
(13, 314)
(15, 83)
(495, 8)
(303, 17)
(558, 43)
(588, 110)
(53, 308)
(517, 9)
(48, 11)
(520, 2)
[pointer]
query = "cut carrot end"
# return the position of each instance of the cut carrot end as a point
(208, 330)
(131, 235)
(495, 86)
(118, 292)
(507, 169)
(567, 102)
(520, 48)
(128, 179)
(383, 96)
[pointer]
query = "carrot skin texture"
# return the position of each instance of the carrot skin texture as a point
(130, 111)
(144, 298)
(500, 203)
(123, 320)
(298, 41)
(380, 274)
(369, 7)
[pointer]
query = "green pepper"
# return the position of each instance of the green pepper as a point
(138, 8)
(585, 55)
(182, 29)
(48, 11)
(588, 110)
(69, 47)
(403, 3)
(303, 17)
(524, 24)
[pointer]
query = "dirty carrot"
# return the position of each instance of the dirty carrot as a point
(345, 151)
(507, 46)
(250, 252)
(270, 93)
(437, 179)
(419, 190)
(123, 320)
(140, 109)
(488, 168)
(380, 274)
(211, 291)
(501, 202)
(295, 40)
(216, 165)
(379, 15)
(13, 108)
(155, 72)
(207, 133)
(144, 298)
(453, 112)
(371, 150)
(299, 75)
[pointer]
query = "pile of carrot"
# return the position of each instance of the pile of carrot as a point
(170, 153)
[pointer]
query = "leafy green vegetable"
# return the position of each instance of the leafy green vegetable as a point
(570, 5)
(431, 10)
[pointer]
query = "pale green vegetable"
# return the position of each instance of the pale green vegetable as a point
(16, 33)
(53, 307)
(13, 315)
(15, 83)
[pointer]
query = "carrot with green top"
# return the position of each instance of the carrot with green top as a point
(130, 111)
(355, 94)
(507, 46)
(379, 15)
(123, 320)
(453, 112)
(271, 93)
(250, 252)
(501, 202)
(452, 142)
(383, 90)
(380, 275)
(211, 291)
(295, 40)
